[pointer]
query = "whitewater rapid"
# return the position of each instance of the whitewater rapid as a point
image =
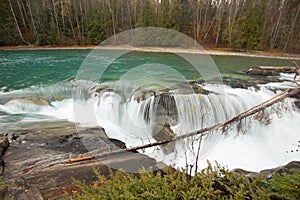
(253, 144)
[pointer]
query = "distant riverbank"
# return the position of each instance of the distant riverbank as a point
(216, 51)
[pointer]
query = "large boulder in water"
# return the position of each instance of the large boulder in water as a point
(165, 133)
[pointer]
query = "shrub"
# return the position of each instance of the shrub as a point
(211, 183)
(286, 186)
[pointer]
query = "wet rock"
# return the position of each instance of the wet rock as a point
(4, 100)
(1, 166)
(35, 101)
(297, 104)
(297, 95)
(270, 70)
(179, 89)
(3, 145)
(246, 83)
(58, 98)
(267, 173)
(142, 95)
(261, 72)
(165, 133)
(165, 109)
(189, 88)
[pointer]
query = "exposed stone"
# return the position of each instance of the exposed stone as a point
(39, 101)
(3, 144)
(261, 72)
(267, 173)
(297, 103)
(270, 70)
(165, 133)
(35, 162)
(297, 95)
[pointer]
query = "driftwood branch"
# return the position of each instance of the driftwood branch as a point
(79, 159)
(203, 132)
(277, 68)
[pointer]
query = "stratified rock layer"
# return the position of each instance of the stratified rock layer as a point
(35, 165)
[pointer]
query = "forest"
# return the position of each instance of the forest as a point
(236, 24)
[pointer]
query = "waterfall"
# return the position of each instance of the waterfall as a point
(138, 121)
(265, 140)
(184, 113)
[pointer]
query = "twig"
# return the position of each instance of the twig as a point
(79, 159)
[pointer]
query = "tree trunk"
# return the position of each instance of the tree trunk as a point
(16, 23)
(292, 28)
(77, 21)
(31, 17)
(62, 13)
(219, 21)
(56, 19)
(129, 15)
(112, 19)
(21, 12)
(72, 28)
(278, 23)
(81, 18)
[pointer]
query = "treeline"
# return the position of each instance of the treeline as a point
(236, 24)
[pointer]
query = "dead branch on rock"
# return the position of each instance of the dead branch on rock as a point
(79, 159)
(205, 131)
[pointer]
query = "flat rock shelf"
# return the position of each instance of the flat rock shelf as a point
(34, 162)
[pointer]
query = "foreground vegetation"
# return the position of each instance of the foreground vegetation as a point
(237, 24)
(211, 183)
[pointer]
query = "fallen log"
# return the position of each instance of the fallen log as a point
(277, 68)
(271, 70)
(203, 132)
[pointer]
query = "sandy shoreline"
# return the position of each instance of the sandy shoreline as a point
(223, 52)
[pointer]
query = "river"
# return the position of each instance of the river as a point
(139, 96)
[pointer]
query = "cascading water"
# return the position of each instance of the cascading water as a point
(139, 120)
(148, 116)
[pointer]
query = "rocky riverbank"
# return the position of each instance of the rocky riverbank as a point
(35, 162)
(213, 51)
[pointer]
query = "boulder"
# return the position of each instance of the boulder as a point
(164, 132)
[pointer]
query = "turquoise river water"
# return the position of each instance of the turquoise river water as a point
(136, 94)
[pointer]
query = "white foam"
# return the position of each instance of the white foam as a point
(262, 146)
